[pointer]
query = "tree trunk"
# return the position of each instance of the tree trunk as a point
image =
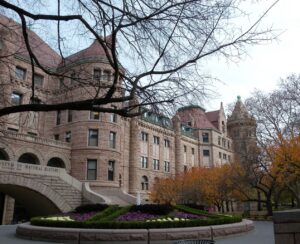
(259, 208)
(227, 206)
(269, 205)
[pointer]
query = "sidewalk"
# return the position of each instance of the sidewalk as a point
(263, 234)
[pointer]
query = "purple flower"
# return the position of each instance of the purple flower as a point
(136, 216)
(81, 216)
(188, 216)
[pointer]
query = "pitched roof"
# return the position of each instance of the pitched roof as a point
(45, 54)
(94, 50)
(213, 117)
(200, 120)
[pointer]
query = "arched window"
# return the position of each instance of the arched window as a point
(56, 162)
(3, 155)
(29, 158)
(145, 183)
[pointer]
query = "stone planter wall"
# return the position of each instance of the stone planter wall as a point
(72, 235)
(287, 227)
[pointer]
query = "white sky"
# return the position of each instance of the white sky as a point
(265, 64)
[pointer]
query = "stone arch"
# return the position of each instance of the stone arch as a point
(56, 162)
(35, 187)
(30, 150)
(8, 151)
(61, 156)
(28, 158)
(3, 155)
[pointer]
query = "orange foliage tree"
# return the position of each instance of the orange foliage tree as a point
(286, 161)
(205, 186)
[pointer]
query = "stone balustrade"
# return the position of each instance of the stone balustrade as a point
(35, 139)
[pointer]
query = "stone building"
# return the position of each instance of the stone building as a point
(116, 155)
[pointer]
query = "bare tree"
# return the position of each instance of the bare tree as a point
(154, 47)
(277, 115)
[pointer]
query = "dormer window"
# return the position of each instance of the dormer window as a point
(38, 80)
(97, 74)
(20, 73)
(106, 75)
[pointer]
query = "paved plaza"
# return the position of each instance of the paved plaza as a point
(263, 234)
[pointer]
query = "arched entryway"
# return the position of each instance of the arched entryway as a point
(3, 155)
(56, 162)
(29, 158)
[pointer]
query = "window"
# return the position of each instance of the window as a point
(219, 141)
(97, 74)
(206, 153)
(167, 166)
(91, 169)
(16, 99)
(110, 170)
(229, 158)
(228, 144)
(106, 75)
(167, 143)
(13, 130)
(38, 80)
(113, 117)
(70, 115)
(56, 137)
(155, 164)
(61, 83)
(144, 136)
(184, 148)
(185, 168)
(220, 155)
(68, 136)
(20, 73)
(145, 183)
(73, 78)
(94, 115)
(223, 142)
(156, 140)
(32, 133)
(193, 151)
(112, 139)
(224, 156)
(144, 162)
(93, 137)
(223, 126)
(205, 137)
(58, 116)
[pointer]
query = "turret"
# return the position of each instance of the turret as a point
(242, 129)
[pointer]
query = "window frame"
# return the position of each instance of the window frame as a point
(24, 73)
(205, 154)
(113, 139)
(111, 173)
(93, 169)
(93, 138)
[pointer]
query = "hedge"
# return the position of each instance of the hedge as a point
(104, 220)
(134, 224)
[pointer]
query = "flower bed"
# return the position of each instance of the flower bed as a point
(131, 218)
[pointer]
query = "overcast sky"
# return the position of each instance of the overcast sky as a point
(265, 64)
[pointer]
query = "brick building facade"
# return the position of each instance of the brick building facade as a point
(106, 150)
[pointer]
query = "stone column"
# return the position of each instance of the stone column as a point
(8, 210)
(134, 156)
(178, 146)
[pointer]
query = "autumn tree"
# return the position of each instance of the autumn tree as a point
(286, 158)
(165, 191)
(154, 47)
